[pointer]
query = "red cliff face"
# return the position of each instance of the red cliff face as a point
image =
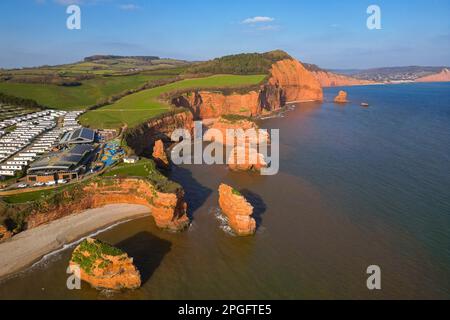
(168, 209)
(443, 76)
(297, 83)
(207, 105)
(289, 82)
(142, 138)
(244, 155)
(329, 79)
(238, 211)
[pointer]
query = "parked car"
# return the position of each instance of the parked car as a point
(62, 181)
(22, 186)
(50, 183)
(38, 184)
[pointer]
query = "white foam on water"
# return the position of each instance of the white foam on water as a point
(227, 229)
(223, 220)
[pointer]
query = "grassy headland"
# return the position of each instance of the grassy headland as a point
(138, 107)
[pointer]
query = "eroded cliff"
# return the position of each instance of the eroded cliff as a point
(443, 76)
(143, 137)
(164, 199)
(330, 79)
(288, 81)
(244, 155)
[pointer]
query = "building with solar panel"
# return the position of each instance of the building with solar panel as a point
(78, 136)
(67, 165)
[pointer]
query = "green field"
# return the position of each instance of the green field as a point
(79, 97)
(143, 168)
(136, 108)
(31, 196)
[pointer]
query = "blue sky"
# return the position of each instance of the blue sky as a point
(330, 33)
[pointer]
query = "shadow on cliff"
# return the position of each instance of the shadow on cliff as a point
(147, 250)
(259, 206)
(195, 193)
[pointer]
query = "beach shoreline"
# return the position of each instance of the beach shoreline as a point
(28, 247)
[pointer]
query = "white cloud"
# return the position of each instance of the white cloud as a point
(257, 20)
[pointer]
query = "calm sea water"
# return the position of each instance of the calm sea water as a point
(357, 187)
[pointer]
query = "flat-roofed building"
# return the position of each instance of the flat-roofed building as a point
(66, 165)
(78, 136)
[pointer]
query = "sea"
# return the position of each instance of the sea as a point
(357, 187)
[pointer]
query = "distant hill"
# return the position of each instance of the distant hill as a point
(240, 64)
(92, 67)
(112, 57)
(113, 64)
(347, 72)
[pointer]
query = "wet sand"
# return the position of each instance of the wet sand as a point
(30, 246)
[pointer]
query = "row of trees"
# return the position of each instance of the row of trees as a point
(240, 64)
(7, 99)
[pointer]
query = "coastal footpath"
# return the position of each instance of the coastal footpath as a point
(30, 246)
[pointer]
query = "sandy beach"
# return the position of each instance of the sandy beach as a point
(30, 246)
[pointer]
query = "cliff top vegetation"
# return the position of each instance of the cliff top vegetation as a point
(240, 64)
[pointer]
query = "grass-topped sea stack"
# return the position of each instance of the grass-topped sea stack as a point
(104, 266)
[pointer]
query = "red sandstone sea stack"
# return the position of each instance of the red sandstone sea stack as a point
(159, 155)
(245, 156)
(238, 211)
(341, 97)
(104, 267)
